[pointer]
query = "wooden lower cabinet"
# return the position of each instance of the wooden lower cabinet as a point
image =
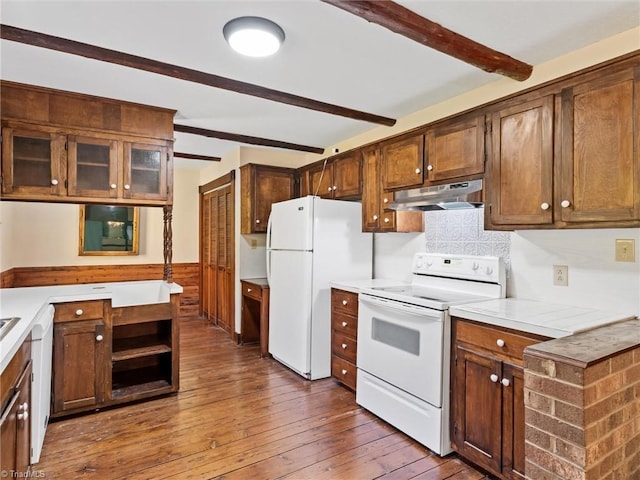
(344, 336)
(15, 423)
(114, 356)
(487, 401)
(79, 365)
(254, 326)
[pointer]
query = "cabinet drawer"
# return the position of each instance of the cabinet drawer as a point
(72, 311)
(495, 340)
(344, 346)
(345, 324)
(344, 371)
(344, 302)
(252, 290)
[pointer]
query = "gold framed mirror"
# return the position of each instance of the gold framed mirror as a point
(109, 230)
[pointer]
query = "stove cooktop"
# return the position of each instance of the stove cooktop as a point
(439, 299)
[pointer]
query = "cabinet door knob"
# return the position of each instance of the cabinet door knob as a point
(329, 189)
(257, 220)
(248, 290)
(23, 416)
(23, 407)
(545, 206)
(344, 372)
(565, 203)
(430, 168)
(385, 200)
(505, 382)
(79, 312)
(99, 338)
(500, 342)
(334, 187)
(386, 220)
(344, 324)
(113, 185)
(418, 170)
(54, 182)
(493, 378)
(344, 302)
(344, 346)
(127, 186)
(375, 217)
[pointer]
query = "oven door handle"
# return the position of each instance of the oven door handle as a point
(423, 312)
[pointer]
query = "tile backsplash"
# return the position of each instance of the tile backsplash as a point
(462, 232)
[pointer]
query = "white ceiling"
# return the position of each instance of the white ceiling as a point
(328, 55)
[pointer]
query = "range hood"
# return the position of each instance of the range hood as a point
(440, 197)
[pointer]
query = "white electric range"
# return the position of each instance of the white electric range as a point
(404, 341)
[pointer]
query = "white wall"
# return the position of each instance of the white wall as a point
(36, 234)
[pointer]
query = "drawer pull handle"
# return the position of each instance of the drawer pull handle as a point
(344, 346)
(344, 302)
(505, 382)
(565, 204)
(127, 186)
(23, 408)
(113, 185)
(54, 182)
(385, 200)
(387, 219)
(344, 372)
(79, 312)
(257, 220)
(375, 217)
(500, 342)
(248, 290)
(493, 378)
(99, 338)
(417, 170)
(430, 168)
(23, 416)
(344, 324)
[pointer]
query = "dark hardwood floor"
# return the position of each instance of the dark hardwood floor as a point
(238, 416)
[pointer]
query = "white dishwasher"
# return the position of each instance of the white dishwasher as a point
(42, 357)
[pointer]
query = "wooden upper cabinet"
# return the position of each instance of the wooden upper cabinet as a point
(146, 171)
(67, 147)
(376, 216)
(92, 167)
(371, 189)
(520, 169)
(347, 176)
(402, 162)
(261, 186)
(455, 149)
(33, 162)
(600, 150)
(321, 180)
(338, 178)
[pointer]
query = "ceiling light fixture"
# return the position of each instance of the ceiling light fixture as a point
(253, 36)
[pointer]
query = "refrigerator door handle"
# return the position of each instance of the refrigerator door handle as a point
(269, 233)
(269, 267)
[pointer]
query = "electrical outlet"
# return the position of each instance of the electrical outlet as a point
(561, 275)
(625, 250)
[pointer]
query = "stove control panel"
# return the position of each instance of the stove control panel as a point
(467, 267)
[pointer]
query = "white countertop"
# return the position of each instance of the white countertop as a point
(537, 317)
(355, 286)
(29, 302)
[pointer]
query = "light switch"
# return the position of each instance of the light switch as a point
(625, 250)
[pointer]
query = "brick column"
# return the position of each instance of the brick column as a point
(582, 406)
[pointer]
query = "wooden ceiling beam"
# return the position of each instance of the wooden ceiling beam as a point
(403, 21)
(194, 156)
(93, 52)
(236, 137)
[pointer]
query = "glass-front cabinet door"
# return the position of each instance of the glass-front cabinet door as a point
(93, 167)
(145, 171)
(32, 162)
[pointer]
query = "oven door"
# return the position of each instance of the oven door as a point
(402, 344)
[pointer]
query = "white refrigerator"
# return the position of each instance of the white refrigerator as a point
(310, 242)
